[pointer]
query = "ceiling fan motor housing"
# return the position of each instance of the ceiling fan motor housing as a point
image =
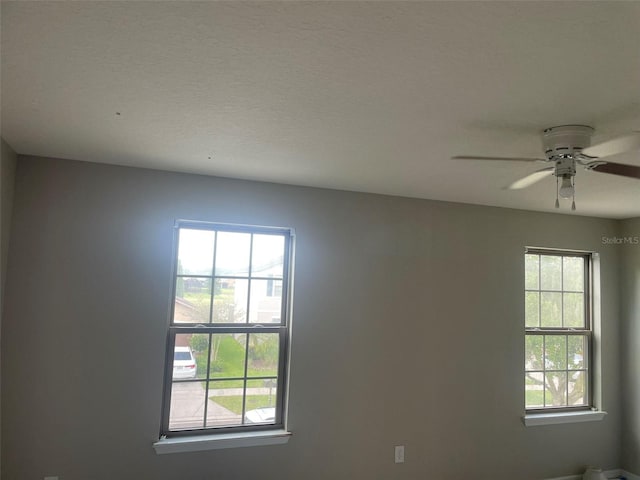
(566, 141)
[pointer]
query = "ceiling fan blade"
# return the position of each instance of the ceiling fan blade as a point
(622, 169)
(626, 143)
(530, 179)
(510, 159)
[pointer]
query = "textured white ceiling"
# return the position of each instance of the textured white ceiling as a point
(364, 96)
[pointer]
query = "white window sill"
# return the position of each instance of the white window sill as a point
(535, 419)
(224, 440)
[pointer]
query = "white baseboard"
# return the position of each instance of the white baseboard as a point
(608, 473)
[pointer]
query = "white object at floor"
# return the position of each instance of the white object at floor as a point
(593, 473)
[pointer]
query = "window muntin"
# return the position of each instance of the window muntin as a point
(558, 330)
(229, 317)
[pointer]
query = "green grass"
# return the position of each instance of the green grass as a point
(229, 363)
(234, 402)
(535, 398)
(230, 360)
(197, 297)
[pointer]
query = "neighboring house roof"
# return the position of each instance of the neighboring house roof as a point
(184, 303)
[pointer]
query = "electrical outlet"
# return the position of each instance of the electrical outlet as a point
(399, 453)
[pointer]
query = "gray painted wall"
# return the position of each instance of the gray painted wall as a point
(407, 329)
(630, 348)
(7, 176)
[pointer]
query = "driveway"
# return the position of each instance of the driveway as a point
(187, 408)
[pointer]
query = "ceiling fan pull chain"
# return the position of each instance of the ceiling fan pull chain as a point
(557, 201)
(573, 203)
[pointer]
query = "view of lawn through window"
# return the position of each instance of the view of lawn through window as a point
(558, 330)
(228, 330)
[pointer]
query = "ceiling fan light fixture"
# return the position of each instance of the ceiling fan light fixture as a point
(566, 189)
(568, 146)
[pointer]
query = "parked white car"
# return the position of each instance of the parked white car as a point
(261, 415)
(184, 364)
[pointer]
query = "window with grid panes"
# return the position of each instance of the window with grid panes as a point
(228, 334)
(558, 330)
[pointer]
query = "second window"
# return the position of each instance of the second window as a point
(558, 330)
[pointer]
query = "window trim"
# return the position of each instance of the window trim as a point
(283, 328)
(588, 331)
(556, 418)
(217, 441)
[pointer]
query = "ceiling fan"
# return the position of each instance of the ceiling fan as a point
(567, 146)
